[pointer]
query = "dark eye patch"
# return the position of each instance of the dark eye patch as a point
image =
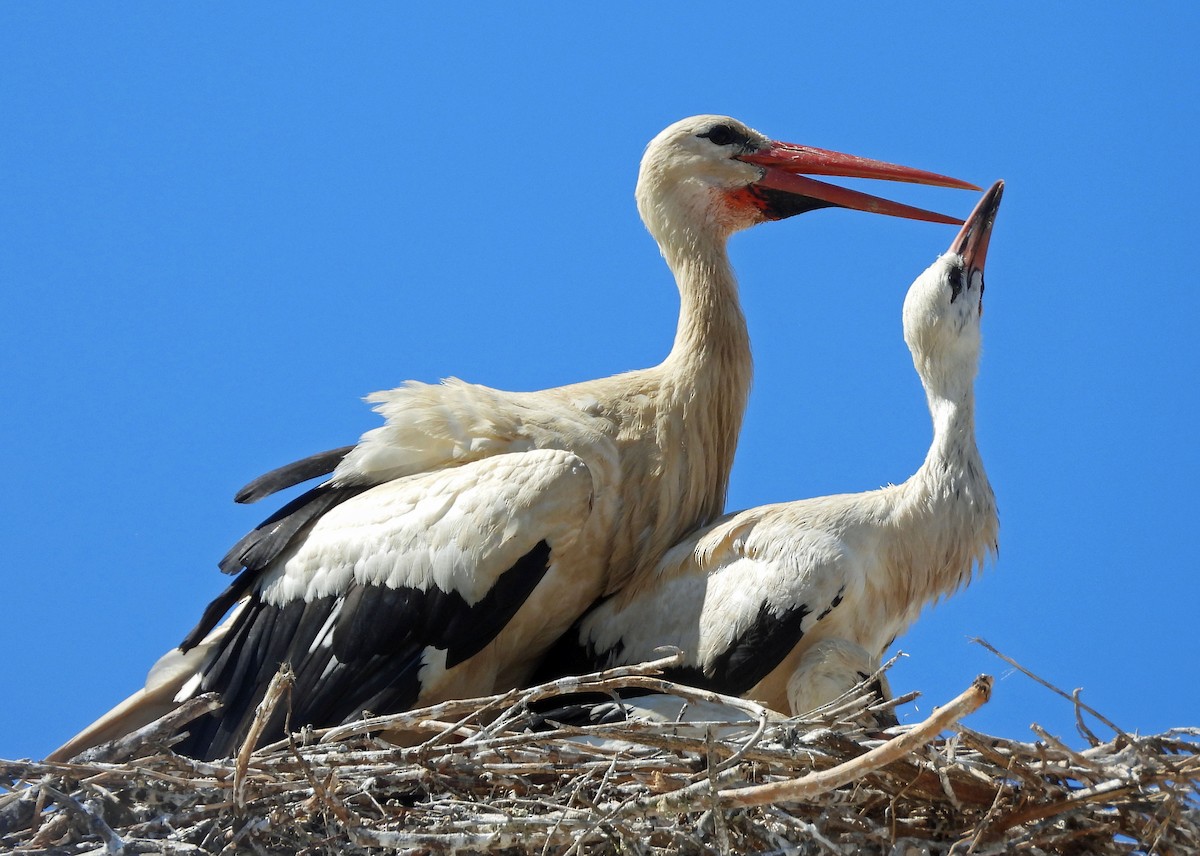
(957, 281)
(724, 135)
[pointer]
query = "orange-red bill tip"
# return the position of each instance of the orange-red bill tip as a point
(972, 240)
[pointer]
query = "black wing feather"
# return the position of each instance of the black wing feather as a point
(215, 610)
(255, 550)
(581, 709)
(755, 653)
(570, 655)
(289, 475)
(469, 628)
(263, 544)
(370, 660)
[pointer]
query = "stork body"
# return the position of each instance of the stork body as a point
(452, 545)
(751, 598)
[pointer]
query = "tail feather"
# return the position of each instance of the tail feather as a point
(167, 685)
(141, 708)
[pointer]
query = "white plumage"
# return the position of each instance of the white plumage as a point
(750, 598)
(452, 545)
(829, 669)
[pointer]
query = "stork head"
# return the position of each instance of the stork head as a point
(713, 174)
(944, 304)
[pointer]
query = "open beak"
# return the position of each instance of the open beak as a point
(972, 240)
(784, 162)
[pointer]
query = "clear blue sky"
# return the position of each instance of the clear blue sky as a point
(221, 225)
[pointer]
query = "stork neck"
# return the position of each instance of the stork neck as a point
(953, 430)
(693, 419)
(711, 323)
(944, 522)
(948, 503)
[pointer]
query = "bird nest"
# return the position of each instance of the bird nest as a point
(483, 781)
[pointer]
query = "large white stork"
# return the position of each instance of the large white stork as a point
(452, 545)
(753, 599)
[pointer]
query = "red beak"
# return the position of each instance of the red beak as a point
(972, 240)
(783, 163)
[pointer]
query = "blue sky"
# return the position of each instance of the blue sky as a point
(220, 226)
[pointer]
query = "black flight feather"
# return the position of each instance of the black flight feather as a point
(292, 474)
(265, 542)
(470, 628)
(215, 610)
(359, 650)
(753, 655)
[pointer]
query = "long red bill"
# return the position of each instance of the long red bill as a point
(784, 163)
(972, 240)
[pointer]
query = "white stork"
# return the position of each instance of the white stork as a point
(452, 545)
(752, 599)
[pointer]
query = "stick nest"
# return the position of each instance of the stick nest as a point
(481, 781)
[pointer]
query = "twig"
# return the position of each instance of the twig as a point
(280, 685)
(1082, 762)
(993, 810)
(747, 745)
(1080, 725)
(159, 731)
(18, 808)
(95, 822)
(718, 816)
(813, 784)
(1074, 700)
(593, 682)
(1105, 791)
(326, 796)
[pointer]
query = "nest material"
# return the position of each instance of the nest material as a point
(483, 782)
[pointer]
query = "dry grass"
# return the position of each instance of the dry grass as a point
(482, 782)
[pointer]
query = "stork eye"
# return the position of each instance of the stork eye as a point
(957, 276)
(723, 135)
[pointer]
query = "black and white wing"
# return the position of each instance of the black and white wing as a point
(736, 598)
(384, 591)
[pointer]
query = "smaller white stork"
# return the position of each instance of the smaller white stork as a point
(753, 599)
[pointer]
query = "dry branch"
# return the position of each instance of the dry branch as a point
(814, 784)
